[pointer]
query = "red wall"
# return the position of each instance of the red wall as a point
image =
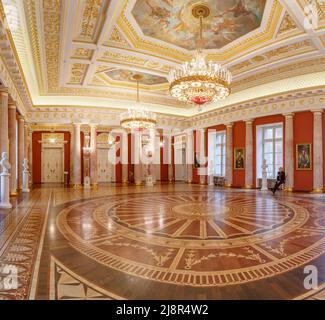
(303, 133)
(239, 136)
(37, 155)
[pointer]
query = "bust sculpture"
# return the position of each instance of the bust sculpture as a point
(25, 165)
(5, 163)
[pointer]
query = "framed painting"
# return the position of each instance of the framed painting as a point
(239, 159)
(303, 156)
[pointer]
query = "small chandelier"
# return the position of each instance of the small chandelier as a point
(138, 118)
(198, 81)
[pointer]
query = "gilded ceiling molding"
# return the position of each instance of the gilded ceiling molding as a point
(297, 101)
(34, 36)
(287, 24)
(11, 72)
(51, 19)
(235, 49)
(283, 72)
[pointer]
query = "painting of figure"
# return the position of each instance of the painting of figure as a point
(127, 76)
(303, 157)
(172, 21)
(239, 159)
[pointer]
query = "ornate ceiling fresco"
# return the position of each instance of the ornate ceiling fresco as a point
(84, 52)
(172, 21)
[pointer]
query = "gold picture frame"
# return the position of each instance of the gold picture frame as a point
(239, 159)
(304, 157)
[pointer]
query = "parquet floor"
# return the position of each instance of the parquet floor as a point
(164, 242)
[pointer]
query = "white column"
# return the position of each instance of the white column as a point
(13, 149)
(136, 157)
(318, 151)
(124, 157)
(170, 160)
(93, 155)
(229, 155)
(189, 156)
(289, 154)
(21, 151)
(76, 156)
(249, 155)
(30, 153)
(4, 140)
(203, 161)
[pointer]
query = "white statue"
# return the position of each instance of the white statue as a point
(211, 173)
(5, 163)
(4, 196)
(264, 176)
(26, 176)
(25, 165)
(87, 140)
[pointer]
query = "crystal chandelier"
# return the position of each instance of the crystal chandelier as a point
(138, 118)
(200, 81)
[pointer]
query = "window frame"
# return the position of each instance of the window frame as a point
(274, 141)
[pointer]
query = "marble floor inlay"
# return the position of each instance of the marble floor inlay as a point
(166, 242)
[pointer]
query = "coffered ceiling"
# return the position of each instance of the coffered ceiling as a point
(86, 52)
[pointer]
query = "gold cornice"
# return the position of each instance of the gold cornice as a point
(17, 60)
(34, 40)
(52, 17)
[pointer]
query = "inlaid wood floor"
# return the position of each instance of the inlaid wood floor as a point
(164, 242)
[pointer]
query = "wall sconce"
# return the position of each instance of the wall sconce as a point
(161, 144)
(52, 140)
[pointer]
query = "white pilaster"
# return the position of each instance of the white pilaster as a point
(229, 155)
(21, 150)
(289, 152)
(249, 155)
(93, 155)
(189, 156)
(76, 156)
(318, 151)
(13, 148)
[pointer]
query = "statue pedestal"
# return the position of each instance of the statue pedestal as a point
(211, 180)
(5, 203)
(149, 181)
(87, 183)
(25, 181)
(264, 184)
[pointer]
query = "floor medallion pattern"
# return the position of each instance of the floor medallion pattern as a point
(194, 238)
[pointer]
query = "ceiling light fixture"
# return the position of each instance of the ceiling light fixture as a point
(198, 81)
(138, 118)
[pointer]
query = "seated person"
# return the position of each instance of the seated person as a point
(280, 179)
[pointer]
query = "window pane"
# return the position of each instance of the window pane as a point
(218, 170)
(268, 147)
(218, 160)
(219, 137)
(278, 146)
(269, 159)
(278, 158)
(218, 151)
(278, 133)
(268, 133)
